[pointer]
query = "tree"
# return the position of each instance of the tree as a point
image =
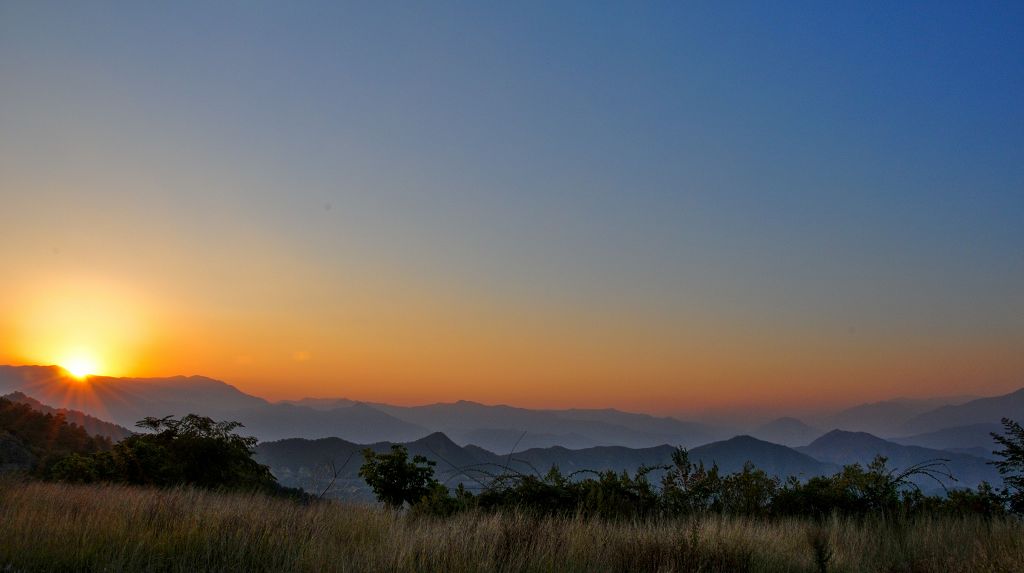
(1012, 464)
(397, 480)
(690, 488)
(40, 440)
(194, 450)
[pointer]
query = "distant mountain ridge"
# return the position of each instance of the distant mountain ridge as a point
(308, 463)
(127, 400)
(973, 438)
(500, 427)
(980, 411)
(842, 448)
(495, 428)
(885, 418)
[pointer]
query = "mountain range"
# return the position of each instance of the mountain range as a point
(843, 448)
(313, 464)
(468, 433)
(886, 418)
(499, 428)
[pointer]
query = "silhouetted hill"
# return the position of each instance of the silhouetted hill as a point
(94, 426)
(841, 447)
(980, 411)
(775, 459)
(600, 458)
(975, 439)
(303, 463)
(788, 432)
(310, 464)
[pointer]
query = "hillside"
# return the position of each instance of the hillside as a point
(93, 425)
(31, 440)
(775, 459)
(841, 447)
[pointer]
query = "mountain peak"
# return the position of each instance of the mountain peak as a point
(436, 440)
(837, 436)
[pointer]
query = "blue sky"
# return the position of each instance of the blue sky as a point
(756, 170)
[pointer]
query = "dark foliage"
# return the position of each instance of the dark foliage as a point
(397, 480)
(46, 437)
(194, 450)
(686, 489)
(1012, 465)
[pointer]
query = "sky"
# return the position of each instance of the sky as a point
(664, 207)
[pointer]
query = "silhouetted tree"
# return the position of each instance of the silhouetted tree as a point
(397, 480)
(1011, 467)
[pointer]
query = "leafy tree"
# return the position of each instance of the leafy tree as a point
(397, 480)
(1012, 464)
(194, 450)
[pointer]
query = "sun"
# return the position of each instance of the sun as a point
(80, 366)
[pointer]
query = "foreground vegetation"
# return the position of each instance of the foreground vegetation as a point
(187, 495)
(686, 489)
(48, 526)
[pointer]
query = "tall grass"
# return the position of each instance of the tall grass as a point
(49, 527)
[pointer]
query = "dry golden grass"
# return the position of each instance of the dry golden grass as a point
(47, 527)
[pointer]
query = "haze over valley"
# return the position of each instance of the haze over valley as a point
(299, 438)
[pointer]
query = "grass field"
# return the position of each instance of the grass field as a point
(112, 528)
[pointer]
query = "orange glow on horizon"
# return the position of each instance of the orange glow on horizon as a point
(87, 327)
(408, 349)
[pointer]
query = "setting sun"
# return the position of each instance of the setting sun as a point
(87, 326)
(80, 366)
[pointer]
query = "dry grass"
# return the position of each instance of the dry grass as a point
(111, 528)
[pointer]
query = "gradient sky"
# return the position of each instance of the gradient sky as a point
(653, 206)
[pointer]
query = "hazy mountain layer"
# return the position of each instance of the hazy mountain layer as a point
(841, 447)
(886, 418)
(788, 432)
(975, 439)
(980, 411)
